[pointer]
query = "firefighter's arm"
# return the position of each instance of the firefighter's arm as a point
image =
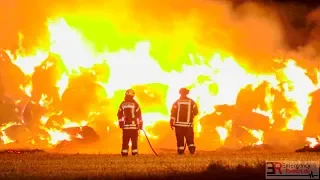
(173, 114)
(120, 116)
(138, 114)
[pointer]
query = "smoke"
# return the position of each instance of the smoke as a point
(311, 49)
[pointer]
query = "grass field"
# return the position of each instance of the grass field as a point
(204, 165)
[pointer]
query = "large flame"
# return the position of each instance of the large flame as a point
(216, 81)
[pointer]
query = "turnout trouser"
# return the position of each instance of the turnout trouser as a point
(185, 133)
(127, 135)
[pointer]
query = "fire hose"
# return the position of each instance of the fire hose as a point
(185, 144)
(149, 142)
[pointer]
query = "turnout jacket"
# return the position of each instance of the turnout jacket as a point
(129, 115)
(182, 112)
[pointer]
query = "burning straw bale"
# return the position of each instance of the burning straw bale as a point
(12, 77)
(307, 148)
(241, 136)
(222, 114)
(240, 127)
(44, 81)
(32, 114)
(252, 120)
(81, 138)
(312, 121)
(249, 98)
(104, 127)
(313, 145)
(285, 139)
(18, 133)
(55, 121)
(77, 145)
(7, 113)
(86, 134)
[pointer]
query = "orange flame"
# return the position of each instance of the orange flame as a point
(291, 81)
(224, 131)
(313, 142)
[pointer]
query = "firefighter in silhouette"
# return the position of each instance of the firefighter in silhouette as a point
(182, 113)
(130, 121)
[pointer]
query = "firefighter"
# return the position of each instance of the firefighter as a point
(130, 121)
(182, 113)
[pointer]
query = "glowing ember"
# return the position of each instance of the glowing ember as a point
(312, 142)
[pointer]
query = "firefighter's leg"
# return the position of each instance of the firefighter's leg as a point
(180, 139)
(125, 142)
(134, 141)
(190, 140)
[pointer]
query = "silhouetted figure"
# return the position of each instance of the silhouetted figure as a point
(183, 112)
(130, 120)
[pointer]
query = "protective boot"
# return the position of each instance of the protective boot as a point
(180, 152)
(192, 149)
(134, 152)
(124, 153)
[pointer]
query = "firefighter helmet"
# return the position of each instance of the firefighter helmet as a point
(130, 92)
(184, 91)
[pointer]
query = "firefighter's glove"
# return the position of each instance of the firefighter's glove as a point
(121, 124)
(140, 126)
(172, 123)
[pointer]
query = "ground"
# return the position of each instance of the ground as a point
(168, 165)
